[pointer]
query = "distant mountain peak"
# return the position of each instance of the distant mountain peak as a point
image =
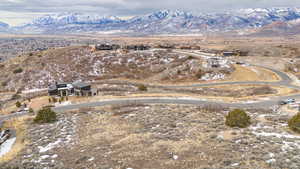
(4, 25)
(164, 22)
(73, 18)
(169, 13)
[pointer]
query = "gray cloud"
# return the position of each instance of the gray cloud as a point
(134, 7)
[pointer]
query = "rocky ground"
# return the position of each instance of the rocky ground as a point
(115, 88)
(44, 143)
(210, 91)
(160, 136)
(81, 63)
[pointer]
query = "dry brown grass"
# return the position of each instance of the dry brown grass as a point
(148, 138)
(20, 126)
(280, 91)
(131, 145)
(109, 130)
(8, 109)
(39, 102)
(243, 73)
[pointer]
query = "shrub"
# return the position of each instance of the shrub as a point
(19, 70)
(18, 104)
(45, 115)
(294, 123)
(3, 84)
(142, 88)
(238, 118)
(190, 57)
(31, 111)
(199, 74)
(54, 100)
(16, 96)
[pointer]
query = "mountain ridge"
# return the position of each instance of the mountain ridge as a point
(162, 21)
(3, 26)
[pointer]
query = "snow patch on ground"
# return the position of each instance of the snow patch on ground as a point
(49, 146)
(63, 104)
(213, 76)
(6, 146)
(48, 137)
(34, 90)
(279, 135)
(289, 141)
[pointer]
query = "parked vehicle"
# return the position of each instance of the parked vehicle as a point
(239, 63)
(287, 101)
(291, 100)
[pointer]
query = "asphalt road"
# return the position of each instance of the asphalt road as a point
(285, 81)
(9, 116)
(265, 103)
(170, 100)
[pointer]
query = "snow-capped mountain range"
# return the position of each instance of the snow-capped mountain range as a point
(161, 22)
(73, 18)
(3, 26)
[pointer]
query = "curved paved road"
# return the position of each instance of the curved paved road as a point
(285, 80)
(266, 103)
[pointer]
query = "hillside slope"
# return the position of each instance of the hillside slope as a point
(79, 63)
(280, 29)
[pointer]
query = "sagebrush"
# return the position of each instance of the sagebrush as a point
(45, 115)
(294, 123)
(238, 118)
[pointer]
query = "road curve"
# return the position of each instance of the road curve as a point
(285, 81)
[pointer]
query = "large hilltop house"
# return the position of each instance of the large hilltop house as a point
(107, 46)
(234, 53)
(63, 89)
(137, 47)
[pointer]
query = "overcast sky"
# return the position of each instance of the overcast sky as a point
(18, 11)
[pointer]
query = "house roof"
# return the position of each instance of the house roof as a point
(80, 84)
(62, 83)
(52, 88)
